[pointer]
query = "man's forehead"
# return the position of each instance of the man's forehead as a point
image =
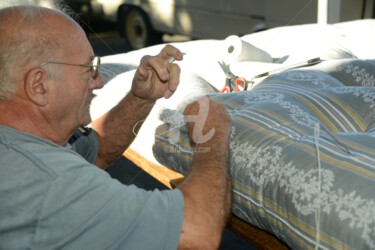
(80, 45)
(71, 37)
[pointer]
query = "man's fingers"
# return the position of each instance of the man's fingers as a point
(169, 51)
(162, 63)
(168, 94)
(143, 68)
(159, 66)
(174, 76)
(158, 74)
(167, 72)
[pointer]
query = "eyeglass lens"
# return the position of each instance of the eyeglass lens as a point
(95, 67)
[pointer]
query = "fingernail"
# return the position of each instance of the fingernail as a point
(175, 85)
(171, 59)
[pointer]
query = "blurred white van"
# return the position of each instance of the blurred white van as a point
(142, 22)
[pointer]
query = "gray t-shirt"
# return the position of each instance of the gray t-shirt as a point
(51, 198)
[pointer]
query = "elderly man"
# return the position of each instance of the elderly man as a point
(51, 194)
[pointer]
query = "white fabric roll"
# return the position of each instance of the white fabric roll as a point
(234, 49)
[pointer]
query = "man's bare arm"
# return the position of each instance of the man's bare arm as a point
(155, 78)
(207, 187)
(115, 128)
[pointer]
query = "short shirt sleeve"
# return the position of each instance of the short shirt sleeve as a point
(86, 143)
(93, 211)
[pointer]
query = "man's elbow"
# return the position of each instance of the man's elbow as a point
(205, 241)
(104, 162)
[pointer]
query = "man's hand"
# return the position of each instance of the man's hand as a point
(207, 119)
(156, 77)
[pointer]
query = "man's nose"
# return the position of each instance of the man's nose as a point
(98, 82)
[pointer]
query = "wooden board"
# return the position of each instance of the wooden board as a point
(162, 174)
(256, 237)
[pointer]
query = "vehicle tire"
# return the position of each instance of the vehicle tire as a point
(137, 30)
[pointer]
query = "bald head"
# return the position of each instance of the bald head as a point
(31, 35)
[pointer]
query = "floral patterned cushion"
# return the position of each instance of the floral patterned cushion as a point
(302, 154)
(303, 141)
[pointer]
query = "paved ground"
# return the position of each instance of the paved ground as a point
(106, 41)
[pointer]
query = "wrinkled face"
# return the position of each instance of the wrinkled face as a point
(72, 90)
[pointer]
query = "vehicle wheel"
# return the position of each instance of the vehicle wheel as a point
(137, 29)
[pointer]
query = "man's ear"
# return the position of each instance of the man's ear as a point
(36, 86)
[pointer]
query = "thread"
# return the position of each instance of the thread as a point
(173, 117)
(317, 212)
(345, 149)
(135, 125)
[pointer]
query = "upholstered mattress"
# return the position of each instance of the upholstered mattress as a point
(302, 148)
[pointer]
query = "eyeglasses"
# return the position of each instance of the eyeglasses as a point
(95, 66)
